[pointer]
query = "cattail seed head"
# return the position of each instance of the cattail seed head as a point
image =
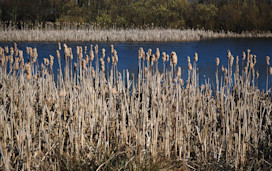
(229, 55)
(217, 61)
(163, 56)
(267, 60)
(84, 64)
(108, 59)
(46, 61)
(244, 56)
(157, 54)
(167, 57)
(190, 68)
(96, 49)
(59, 44)
(6, 49)
(174, 58)
(103, 53)
(112, 48)
(231, 60)
(270, 70)
(188, 60)
(58, 54)
(196, 57)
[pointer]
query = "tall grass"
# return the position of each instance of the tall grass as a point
(95, 117)
(75, 32)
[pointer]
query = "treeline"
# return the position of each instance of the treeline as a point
(231, 15)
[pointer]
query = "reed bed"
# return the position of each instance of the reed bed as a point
(95, 117)
(69, 32)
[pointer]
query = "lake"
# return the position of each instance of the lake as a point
(207, 51)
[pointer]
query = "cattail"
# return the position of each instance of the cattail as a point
(146, 71)
(270, 70)
(231, 60)
(248, 52)
(257, 74)
(91, 55)
(84, 64)
(149, 52)
(6, 49)
(11, 59)
(96, 49)
(167, 57)
(58, 54)
(267, 60)
(11, 51)
(85, 50)
(20, 55)
(51, 61)
(179, 72)
(190, 68)
(174, 58)
(196, 57)
(244, 56)
(229, 55)
(112, 48)
(188, 60)
(108, 59)
(16, 64)
(163, 56)
(217, 61)
(115, 56)
(46, 61)
(103, 53)
(147, 57)
(59, 45)
(28, 71)
(157, 54)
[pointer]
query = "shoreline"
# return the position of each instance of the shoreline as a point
(121, 35)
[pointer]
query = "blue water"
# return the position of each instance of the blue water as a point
(207, 51)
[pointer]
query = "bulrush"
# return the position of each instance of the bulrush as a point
(217, 61)
(157, 54)
(196, 57)
(103, 53)
(93, 121)
(267, 60)
(174, 58)
(163, 56)
(59, 44)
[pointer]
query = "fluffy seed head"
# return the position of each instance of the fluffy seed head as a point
(217, 61)
(190, 68)
(268, 60)
(196, 57)
(174, 58)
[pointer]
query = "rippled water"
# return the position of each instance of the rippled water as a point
(207, 51)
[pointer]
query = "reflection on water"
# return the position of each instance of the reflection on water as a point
(207, 51)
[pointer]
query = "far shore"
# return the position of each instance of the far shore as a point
(121, 35)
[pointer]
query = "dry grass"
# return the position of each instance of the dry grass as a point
(85, 32)
(95, 118)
